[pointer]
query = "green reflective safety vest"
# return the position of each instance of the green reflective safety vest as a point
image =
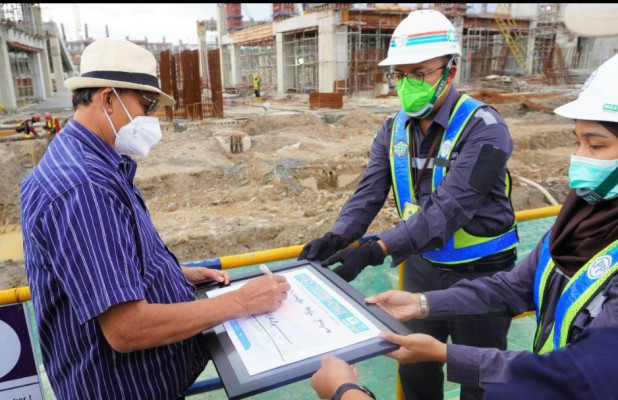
(577, 294)
(462, 247)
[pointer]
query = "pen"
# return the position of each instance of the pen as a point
(265, 270)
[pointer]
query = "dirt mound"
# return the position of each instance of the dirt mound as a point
(289, 186)
(361, 121)
(16, 160)
(262, 124)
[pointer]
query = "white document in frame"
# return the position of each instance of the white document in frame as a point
(313, 320)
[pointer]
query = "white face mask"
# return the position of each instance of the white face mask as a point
(138, 136)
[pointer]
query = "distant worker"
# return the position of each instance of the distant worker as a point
(27, 126)
(52, 126)
(257, 83)
(444, 155)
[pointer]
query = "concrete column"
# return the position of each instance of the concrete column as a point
(458, 23)
(289, 64)
(54, 47)
(47, 82)
(530, 47)
(46, 78)
(236, 73)
(326, 53)
(7, 89)
(38, 87)
(279, 62)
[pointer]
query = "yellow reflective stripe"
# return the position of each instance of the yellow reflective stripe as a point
(549, 268)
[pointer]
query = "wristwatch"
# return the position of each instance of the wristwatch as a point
(347, 386)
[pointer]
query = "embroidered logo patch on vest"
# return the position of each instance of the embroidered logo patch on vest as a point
(446, 148)
(598, 268)
(400, 148)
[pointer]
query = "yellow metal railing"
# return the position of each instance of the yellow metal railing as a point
(21, 294)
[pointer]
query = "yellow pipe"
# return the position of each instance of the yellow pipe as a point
(242, 260)
(14, 295)
(536, 213)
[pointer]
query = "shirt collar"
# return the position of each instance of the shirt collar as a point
(444, 112)
(98, 146)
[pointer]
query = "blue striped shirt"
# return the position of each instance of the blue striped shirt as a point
(89, 244)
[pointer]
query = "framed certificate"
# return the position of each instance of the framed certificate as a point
(323, 314)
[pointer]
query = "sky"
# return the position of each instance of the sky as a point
(174, 21)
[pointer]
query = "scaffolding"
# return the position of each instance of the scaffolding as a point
(486, 53)
(366, 48)
(301, 60)
(259, 58)
(547, 52)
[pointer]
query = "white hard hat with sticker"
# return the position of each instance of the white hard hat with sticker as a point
(598, 98)
(422, 35)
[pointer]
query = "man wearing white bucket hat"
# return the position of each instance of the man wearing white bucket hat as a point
(116, 313)
(570, 279)
(444, 156)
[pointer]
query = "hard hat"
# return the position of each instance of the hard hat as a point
(592, 20)
(36, 117)
(598, 98)
(47, 116)
(422, 35)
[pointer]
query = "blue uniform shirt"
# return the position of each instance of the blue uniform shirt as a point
(472, 195)
(90, 244)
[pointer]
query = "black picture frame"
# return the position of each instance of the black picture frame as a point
(236, 380)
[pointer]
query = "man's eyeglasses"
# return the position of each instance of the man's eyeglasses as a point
(397, 76)
(152, 106)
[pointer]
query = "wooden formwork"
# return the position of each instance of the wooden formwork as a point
(325, 100)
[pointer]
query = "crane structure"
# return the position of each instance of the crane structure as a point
(78, 21)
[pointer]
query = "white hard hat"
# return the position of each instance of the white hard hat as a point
(598, 98)
(422, 35)
(592, 20)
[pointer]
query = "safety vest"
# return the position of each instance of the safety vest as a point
(52, 124)
(462, 247)
(577, 294)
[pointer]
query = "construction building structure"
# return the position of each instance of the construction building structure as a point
(34, 61)
(336, 47)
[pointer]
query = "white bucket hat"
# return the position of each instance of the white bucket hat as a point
(118, 63)
(592, 19)
(598, 98)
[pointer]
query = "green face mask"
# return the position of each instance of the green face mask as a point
(418, 98)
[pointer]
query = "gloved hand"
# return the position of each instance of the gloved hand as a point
(323, 247)
(355, 259)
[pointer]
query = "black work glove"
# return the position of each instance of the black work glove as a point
(355, 259)
(323, 247)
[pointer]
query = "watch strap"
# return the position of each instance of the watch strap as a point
(348, 386)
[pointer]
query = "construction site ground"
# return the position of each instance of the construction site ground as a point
(288, 185)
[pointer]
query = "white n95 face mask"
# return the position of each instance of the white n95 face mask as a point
(138, 136)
